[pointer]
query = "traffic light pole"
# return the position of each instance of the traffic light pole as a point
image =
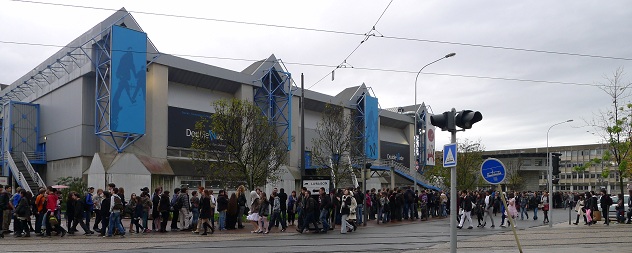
(550, 172)
(453, 208)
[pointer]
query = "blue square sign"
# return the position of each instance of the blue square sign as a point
(449, 155)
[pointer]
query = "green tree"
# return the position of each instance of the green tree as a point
(469, 159)
(332, 146)
(615, 126)
(75, 184)
(243, 146)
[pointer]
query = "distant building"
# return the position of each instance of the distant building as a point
(531, 166)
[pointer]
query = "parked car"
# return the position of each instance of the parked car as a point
(613, 212)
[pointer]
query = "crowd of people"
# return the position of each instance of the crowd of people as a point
(195, 210)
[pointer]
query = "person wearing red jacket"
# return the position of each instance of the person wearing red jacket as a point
(51, 211)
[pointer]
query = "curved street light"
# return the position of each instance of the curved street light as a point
(550, 171)
(418, 156)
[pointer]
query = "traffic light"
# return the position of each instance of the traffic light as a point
(445, 121)
(556, 181)
(466, 118)
(555, 163)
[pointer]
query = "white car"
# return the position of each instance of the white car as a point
(613, 212)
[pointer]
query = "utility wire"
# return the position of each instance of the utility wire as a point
(344, 63)
(330, 66)
(338, 32)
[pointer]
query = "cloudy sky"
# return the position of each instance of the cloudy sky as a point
(483, 34)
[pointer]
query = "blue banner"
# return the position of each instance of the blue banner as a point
(371, 115)
(308, 160)
(128, 80)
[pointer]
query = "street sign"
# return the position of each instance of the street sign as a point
(4, 181)
(313, 186)
(449, 155)
(493, 171)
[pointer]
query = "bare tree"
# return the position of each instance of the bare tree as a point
(243, 145)
(615, 125)
(469, 159)
(331, 149)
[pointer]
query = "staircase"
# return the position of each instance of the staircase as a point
(407, 173)
(24, 173)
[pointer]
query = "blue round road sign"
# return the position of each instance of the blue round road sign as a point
(493, 171)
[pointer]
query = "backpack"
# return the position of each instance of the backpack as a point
(118, 204)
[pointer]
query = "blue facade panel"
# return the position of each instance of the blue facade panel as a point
(371, 127)
(128, 80)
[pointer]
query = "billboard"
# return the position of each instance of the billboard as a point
(395, 152)
(181, 126)
(430, 143)
(128, 80)
(371, 115)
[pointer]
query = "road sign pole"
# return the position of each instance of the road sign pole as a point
(453, 209)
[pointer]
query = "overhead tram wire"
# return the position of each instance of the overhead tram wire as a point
(344, 63)
(338, 32)
(329, 66)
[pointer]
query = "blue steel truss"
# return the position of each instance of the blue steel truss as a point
(359, 136)
(274, 98)
(96, 51)
(103, 68)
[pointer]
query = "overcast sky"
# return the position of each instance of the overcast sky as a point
(515, 114)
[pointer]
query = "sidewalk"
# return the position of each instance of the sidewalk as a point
(561, 238)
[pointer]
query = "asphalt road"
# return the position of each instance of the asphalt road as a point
(395, 237)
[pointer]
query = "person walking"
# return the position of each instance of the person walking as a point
(97, 199)
(579, 208)
(253, 216)
(79, 207)
(264, 212)
(606, 202)
(345, 210)
(222, 206)
(205, 213)
(325, 207)
(164, 207)
(545, 207)
(466, 205)
(524, 202)
(23, 214)
(489, 205)
(291, 208)
(116, 209)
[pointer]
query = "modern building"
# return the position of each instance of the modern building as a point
(110, 107)
(530, 165)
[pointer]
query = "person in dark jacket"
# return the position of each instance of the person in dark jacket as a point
(325, 207)
(78, 218)
(606, 202)
(155, 212)
(205, 212)
(311, 208)
(283, 200)
(105, 212)
(222, 207)
(264, 213)
(231, 212)
(137, 214)
(164, 207)
(22, 214)
(70, 211)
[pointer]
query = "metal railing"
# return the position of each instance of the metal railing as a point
(16, 173)
(405, 170)
(36, 177)
(35, 156)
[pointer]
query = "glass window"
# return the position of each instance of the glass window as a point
(539, 162)
(574, 154)
(526, 162)
(593, 153)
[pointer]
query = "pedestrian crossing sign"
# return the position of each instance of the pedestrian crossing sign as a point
(449, 155)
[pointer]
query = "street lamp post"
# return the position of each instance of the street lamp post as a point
(417, 156)
(416, 133)
(550, 169)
